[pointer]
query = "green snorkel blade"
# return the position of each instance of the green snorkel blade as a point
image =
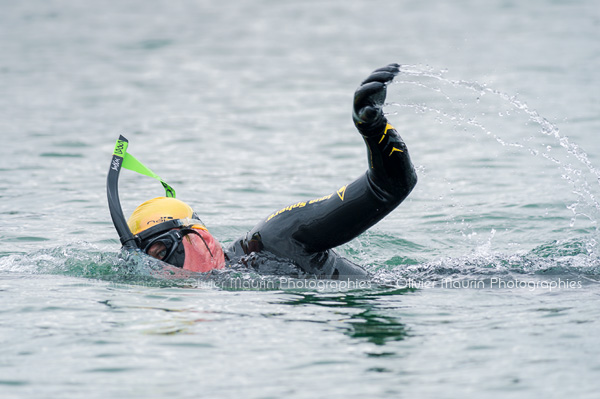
(121, 159)
(130, 162)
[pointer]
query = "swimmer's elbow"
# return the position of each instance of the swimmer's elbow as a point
(404, 188)
(393, 189)
(406, 180)
(413, 179)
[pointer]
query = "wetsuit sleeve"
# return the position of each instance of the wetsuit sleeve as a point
(389, 179)
(306, 232)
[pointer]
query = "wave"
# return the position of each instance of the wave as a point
(569, 259)
(85, 260)
(573, 260)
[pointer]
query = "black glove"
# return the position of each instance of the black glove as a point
(369, 98)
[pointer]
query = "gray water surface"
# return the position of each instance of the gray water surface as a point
(485, 279)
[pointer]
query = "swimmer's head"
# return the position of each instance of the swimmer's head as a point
(169, 230)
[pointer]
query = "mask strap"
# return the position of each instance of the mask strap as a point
(192, 231)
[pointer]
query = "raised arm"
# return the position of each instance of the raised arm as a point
(388, 181)
(320, 224)
(390, 172)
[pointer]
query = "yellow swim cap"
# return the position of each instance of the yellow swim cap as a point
(158, 210)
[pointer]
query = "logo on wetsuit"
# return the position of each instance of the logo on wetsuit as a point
(341, 192)
(288, 208)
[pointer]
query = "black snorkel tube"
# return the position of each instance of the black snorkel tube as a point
(121, 159)
(112, 191)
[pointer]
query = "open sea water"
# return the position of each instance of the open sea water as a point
(486, 280)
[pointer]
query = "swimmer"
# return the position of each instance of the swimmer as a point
(297, 240)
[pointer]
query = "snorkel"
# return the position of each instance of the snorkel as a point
(161, 237)
(122, 159)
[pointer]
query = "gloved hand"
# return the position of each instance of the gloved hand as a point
(369, 98)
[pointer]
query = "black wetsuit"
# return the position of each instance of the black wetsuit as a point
(298, 239)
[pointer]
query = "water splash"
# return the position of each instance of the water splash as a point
(461, 103)
(536, 244)
(85, 260)
(569, 260)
